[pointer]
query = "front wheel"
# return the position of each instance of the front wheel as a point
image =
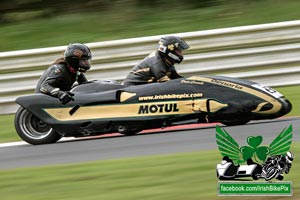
(33, 130)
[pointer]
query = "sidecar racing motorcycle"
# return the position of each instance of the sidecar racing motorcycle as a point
(102, 107)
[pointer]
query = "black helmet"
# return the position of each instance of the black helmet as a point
(171, 47)
(78, 56)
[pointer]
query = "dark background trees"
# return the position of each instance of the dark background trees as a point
(19, 10)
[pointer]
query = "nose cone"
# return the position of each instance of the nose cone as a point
(274, 108)
(286, 106)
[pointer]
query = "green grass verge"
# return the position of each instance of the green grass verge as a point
(8, 133)
(168, 177)
(293, 94)
(136, 21)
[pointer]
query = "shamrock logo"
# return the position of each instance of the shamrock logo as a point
(253, 150)
(229, 147)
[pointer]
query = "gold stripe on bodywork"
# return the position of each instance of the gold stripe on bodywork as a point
(214, 106)
(126, 95)
(276, 104)
(260, 106)
(200, 106)
(130, 110)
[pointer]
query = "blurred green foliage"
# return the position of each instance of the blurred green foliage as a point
(27, 24)
(8, 133)
(21, 10)
(30, 9)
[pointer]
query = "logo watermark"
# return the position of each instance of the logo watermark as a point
(261, 163)
(255, 189)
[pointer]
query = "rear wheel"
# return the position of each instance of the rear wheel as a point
(33, 130)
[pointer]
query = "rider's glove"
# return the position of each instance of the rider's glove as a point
(65, 96)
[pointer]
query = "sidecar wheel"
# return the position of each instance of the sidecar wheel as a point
(235, 122)
(33, 130)
(130, 133)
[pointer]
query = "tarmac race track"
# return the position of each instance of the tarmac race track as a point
(153, 142)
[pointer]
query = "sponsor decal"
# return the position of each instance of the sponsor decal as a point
(162, 48)
(170, 96)
(78, 53)
(192, 82)
(159, 108)
(254, 162)
(130, 110)
(124, 110)
(171, 47)
(227, 84)
(269, 90)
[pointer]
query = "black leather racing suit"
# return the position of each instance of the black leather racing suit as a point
(58, 76)
(151, 69)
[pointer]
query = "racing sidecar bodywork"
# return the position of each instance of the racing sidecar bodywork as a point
(105, 107)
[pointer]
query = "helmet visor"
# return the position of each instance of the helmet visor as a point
(84, 64)
(183, 45)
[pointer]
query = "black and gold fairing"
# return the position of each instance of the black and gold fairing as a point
(104, 107)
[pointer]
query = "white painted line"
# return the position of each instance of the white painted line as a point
(11, 144)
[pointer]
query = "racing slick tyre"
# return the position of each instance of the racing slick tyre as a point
(130, 133)
(33, 130)
(235, 122)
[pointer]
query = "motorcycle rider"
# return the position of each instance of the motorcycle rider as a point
(58, 79)
(276, 165)
(159, 65)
